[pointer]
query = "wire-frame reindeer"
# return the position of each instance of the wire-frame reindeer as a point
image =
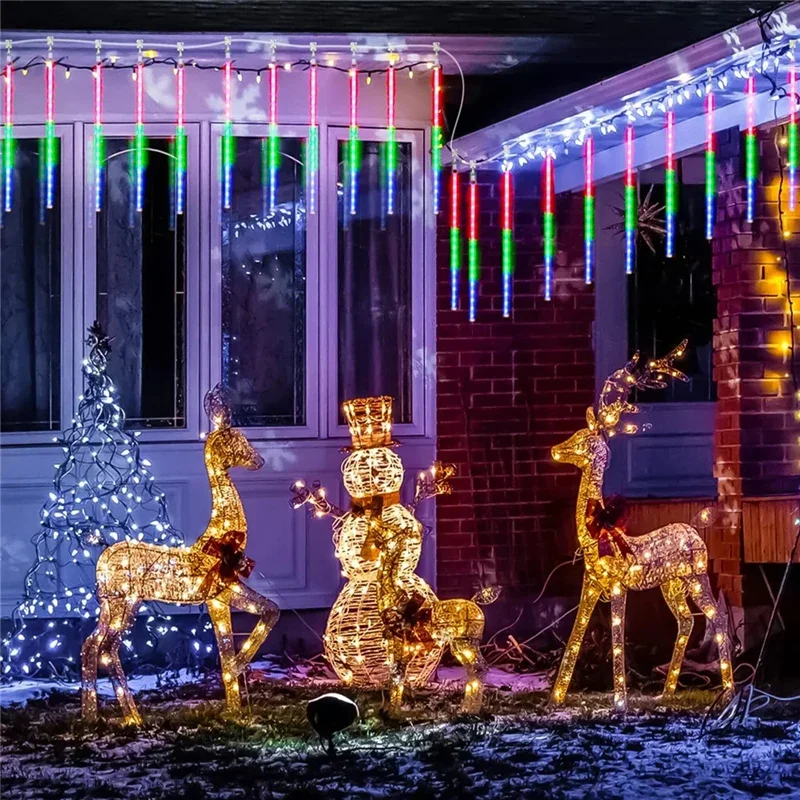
(673, 558)
(130, 573)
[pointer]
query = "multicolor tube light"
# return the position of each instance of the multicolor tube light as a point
(180, 139)
(140, 144)
(588, 210)
(670, 183)
(549, 222)
(507, 244)
(751, 148)
(391, 136)
(353, 145)
(473, 248)
(436, 131)
(455, 237)
(711, 165)
(792, 135)
(228, 154)
(8, 135)
(98, 142)
(274, 140)
(630, 202)
(51, 143)
(312, 145)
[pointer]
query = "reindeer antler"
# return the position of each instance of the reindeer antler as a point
(613, 401)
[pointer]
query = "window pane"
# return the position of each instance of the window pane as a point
(30, 298)
(264, 288)
(141, 280)
(374, 275)
(673, 298)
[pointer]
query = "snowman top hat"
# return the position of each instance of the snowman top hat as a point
(370, 422)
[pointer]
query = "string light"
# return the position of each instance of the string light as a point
(473, 246)
(180, 134)
(98, 139)
(673, 557)
(8, 130)
(630, 202)
(507, 244)
(792, 131)
(436, 129)
(312, 145)
(588, 210)
(549, 222)
(711, 165)
(140, 144)
(353, 145)
(274, 141)
(51, 143)
(391, 134)
(455, 236)
(228, 154)
(751, 148)
(670, 182)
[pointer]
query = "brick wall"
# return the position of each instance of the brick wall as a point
(508, 390)
(756, 452)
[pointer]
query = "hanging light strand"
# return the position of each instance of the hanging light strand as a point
(792, 131)
(549, 222)
(473, 248)
(227, 130)
(8, 130)
(140, 145)
(455, 237)
(391, 133)
(670, 181)
(711, 164)
(98, 140)
(51, 144)
(312, 145)
(630, 202)
(353, 149)
(274, 140)
(751, 148)
(436, 129)
(507, 243)
(180, 134)
(588, 210)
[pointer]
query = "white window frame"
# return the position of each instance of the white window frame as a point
(213, 354)
(70, 243)
(422, 298)
(193, 270)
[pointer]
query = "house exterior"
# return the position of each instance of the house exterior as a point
(260, 292)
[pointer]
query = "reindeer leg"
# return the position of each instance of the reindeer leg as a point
(700, 589)
(90, 652)
(243, 598)
(589, 595)
(219, 610)
(468, 653)
(674, 592)
(397, 676)
(618, 598)
(118, 679)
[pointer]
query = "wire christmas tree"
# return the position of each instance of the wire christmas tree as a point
(103, 492)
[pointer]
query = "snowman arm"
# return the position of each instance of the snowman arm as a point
(316, 498)
(433, 482)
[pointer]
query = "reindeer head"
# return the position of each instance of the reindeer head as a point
(227, 446)
(588, 448)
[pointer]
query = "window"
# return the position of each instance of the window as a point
(30, 298)
(141, 282)
(673, 298)
(264, 288)
(374, 278)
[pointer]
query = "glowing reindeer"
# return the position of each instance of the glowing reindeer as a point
(673, 558)
(130, 573)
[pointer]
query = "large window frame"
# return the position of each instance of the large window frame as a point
(423, 298)
(194, 277)
(70, 265)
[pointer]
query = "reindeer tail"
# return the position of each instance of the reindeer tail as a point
(487, 595)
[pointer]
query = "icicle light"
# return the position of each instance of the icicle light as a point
(549, 222)
(436, 130)
(455, 237)
(353, 148)
(391, 135)
(751, 148)
(792, 134)
(312, 145)
(507, 244)
(8, 134)
(711, 166)
(588, 210)
(274, 140)
(228, 155)
(473, 247)
(180, 137)
(51, 143)
(630, 202)
(98, 139)
(670, 181)
(140, 144)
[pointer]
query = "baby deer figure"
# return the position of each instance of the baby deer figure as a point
(130, 573)
(673, 558)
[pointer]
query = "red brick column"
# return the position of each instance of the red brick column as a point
(507, 391)
(756, 451)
